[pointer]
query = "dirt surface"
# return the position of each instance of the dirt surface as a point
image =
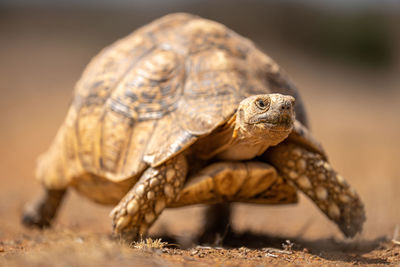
(80, 248)
(353, 111)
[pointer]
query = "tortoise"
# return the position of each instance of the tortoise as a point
(185, 111)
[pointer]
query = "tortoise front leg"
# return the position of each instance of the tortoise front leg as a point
(313, 175)
(141, 206)
(41, 212)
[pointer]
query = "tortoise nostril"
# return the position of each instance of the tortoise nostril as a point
(287, 105)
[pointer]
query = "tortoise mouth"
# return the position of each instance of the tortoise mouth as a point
(279, 127)
(283, 122)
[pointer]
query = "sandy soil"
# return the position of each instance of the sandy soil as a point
(355, 113)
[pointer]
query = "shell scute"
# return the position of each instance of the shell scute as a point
(152, 94)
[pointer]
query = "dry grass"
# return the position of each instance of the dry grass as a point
(149, 244)
(67, 248)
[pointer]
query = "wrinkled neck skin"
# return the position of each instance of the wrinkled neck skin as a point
(250, 140)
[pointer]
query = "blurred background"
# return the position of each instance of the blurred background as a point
(343, 55)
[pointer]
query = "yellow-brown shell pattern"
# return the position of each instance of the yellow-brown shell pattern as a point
(150, 95)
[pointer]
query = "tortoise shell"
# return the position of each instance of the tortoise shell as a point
(152, 94)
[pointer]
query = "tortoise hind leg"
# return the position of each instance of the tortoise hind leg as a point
(217, 223)
(223, 182)
(42, 211)
(248, 182)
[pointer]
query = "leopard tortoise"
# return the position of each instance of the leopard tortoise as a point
(185, 111)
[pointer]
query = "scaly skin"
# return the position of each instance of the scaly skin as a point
(41, 212)
(224, 182)
(313, 175)
(157, 188)
(247, 182)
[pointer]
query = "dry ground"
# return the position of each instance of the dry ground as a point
(355, 113)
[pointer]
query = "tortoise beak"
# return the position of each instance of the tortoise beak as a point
(279, 117)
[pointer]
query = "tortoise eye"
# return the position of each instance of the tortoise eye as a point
(261, 104)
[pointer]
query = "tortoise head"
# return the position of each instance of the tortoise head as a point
(268, 116)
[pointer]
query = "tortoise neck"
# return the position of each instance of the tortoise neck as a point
(220, 139)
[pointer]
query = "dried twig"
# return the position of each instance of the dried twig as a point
(396, 242)
(275, 250)
(396, 235)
